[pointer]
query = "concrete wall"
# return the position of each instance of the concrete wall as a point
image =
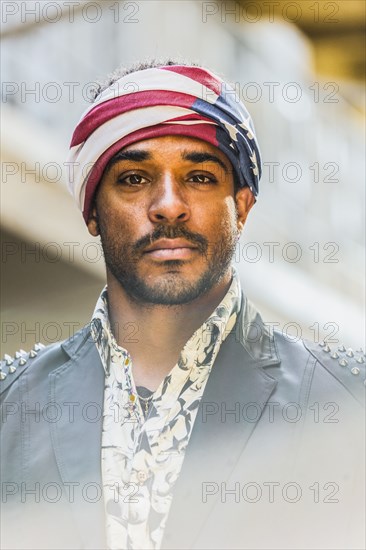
(312, 144)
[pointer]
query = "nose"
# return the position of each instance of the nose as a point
(168, 203)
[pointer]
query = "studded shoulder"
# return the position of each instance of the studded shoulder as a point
(346, 364)
(12, 367)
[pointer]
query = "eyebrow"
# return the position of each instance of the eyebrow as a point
(200, 158)
(139, 155)
(136, 156)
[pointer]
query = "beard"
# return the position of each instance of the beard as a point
(171, 288)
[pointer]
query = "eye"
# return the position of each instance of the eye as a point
(203, 179)
(132, 180)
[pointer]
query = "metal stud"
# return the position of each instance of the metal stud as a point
(8, 359)
(327, 349)
(32, 354)
(359, 350)
(360, 360)
(22, 361)
(12, 369)
(355, 370)
(342, 348)
(322, 344)
(18, 355)
(38, 347)
(350, 353)
(2, 375)
(335, 355)
(343, 362)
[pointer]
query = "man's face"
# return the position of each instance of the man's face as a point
(168, 219)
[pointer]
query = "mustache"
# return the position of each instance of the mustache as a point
(172, 232)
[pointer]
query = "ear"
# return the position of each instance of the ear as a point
(92, 224)
(244, 199)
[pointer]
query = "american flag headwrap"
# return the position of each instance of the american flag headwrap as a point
(169, 100)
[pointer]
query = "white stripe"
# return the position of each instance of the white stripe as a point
(155, 79)
(190, 122)
(87, 153)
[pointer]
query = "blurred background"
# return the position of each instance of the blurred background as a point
(298, 66)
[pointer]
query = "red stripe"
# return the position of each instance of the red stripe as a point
(122, 104)
(192, 116)
(205, 132)
(197, 74)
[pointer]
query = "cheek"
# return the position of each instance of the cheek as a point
(115, 217)
(231, 209)
(220, 221)
(227, 217)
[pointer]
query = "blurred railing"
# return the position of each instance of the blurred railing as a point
(302, 255)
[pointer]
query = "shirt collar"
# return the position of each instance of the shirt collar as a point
(219, 324)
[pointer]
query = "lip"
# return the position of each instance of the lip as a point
(169, 244)
(171, 249)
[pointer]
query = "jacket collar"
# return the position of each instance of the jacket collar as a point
(255, 336)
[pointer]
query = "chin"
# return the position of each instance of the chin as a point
(170, 289)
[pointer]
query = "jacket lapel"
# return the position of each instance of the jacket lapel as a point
(221, 431)
(78, 387)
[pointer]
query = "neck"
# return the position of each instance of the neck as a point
(154, 335)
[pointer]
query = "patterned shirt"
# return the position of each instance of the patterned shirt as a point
(142, 457)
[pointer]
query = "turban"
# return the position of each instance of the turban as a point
(169, 100)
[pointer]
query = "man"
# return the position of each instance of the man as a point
(175, 419)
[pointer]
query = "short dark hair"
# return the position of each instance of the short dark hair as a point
(134, 68)
(141, 66)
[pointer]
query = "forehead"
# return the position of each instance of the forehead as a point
(177, 146)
